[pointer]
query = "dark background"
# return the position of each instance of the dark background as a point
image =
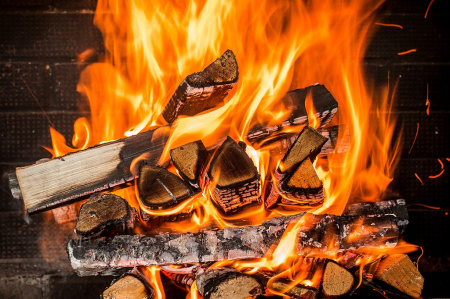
(39, 42)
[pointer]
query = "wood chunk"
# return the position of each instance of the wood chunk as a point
(396, 208)
(399, 272)
(337, 281)
(108, 256)
(204, 90)
(324, 104)
(74, 176)
(233, 178)
(160, 189)
(226, 283)
(132, 285)
(308, 144)
(103, 213)
(190, 160)
(297, 291)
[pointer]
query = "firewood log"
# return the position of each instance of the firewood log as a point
(398, 271)
(337, 281)
(295, 179)
(131, 285)
(388, 207)
(190, 160)
(299, 291)
(160, 189)
(324, 104)
(232, 177)
(226, 283)
(104, 213)
(204, 90)
(74, 176)
(107, 256)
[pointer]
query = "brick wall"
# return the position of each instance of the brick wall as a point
(40, 40)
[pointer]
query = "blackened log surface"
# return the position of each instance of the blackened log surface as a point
(108, 256)
(324, 104)
(204, 90)
(388, 207)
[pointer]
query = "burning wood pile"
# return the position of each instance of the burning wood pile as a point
(297, 254)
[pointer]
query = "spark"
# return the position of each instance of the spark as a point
(407, 52)
(417, 176)
(34, 97)
(428, 101)
(438, 175)
(417, 133)
(448, 159)
(426, 206)
(440, 162)
(417, 263)
(389, 25)
(428, 8)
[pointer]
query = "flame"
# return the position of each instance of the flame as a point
(151, 46)
(154, 275)
(312, 118)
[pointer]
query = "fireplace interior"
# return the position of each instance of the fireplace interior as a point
(41, 42)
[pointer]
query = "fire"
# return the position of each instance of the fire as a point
(151, 46)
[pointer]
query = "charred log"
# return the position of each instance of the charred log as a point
(160, 189)
(226, 283)
(106, 256)
(204, 90)
(232, 178)
(190, 160)
(104, 213)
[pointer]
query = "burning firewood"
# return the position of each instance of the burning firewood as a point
(284, 286)
(204, 90)
(399, 272)
(131, 285)
(190, 160)
(295, 178)
(160, 189)
(107, 256)
(233, 178)
(226, 283)
(102, 213)
(337, 281)
(324, 104)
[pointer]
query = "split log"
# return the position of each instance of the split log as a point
(190, 160)
(278, 144)
(307, 145)
(226, 283)
(399, 272)
(131, 285)
(204, 90)
(337, 281)
(74, 176)
(324, 104)
(104, 213)
(160, 189)
(388, 207)
(232, 178)
(106, 256)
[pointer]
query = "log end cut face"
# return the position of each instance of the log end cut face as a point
(127, 287)
(337, 281)
(189, 159)
(222, 71)
(231, 165)
(159, 188)
(99, 211)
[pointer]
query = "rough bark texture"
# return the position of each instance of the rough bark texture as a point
(190, 160)
(226, 283)
(232, 178)
(107, 256)
(204, 90)
(160, 189)
(74, 176)
(324, 104)
(102, 213)
(399, 272)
